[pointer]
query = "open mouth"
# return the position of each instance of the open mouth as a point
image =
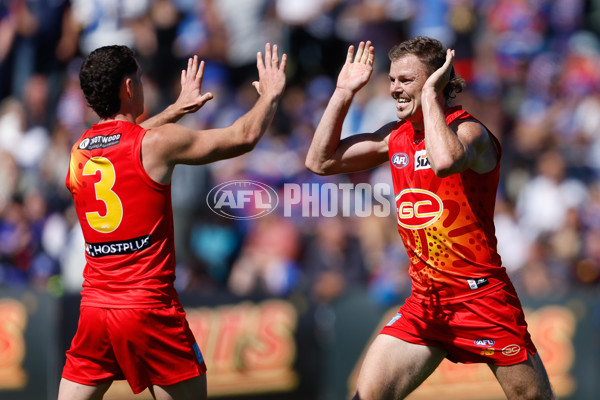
(401, 100)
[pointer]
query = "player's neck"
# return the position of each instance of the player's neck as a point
(119, 117)
(418, 129)
(418, 121)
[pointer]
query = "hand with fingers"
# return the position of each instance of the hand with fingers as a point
(191, 98)
(358, 68)
(271, 72)
(440, 78)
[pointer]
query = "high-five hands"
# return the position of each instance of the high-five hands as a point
(191, 98)
(358, 68)
(271, 72)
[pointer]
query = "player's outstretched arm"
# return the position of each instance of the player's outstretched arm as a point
(327, 153)
(190, 99)
(171, 144)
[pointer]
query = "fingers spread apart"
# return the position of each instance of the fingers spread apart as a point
(365, 53)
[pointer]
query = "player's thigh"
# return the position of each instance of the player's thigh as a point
(191, 389)
(393, 368)
(69, 390)
(526, 380)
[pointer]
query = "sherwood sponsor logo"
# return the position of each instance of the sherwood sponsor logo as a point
(99, 142)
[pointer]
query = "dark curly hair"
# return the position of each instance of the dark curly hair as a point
(432, 53)
(101, 75)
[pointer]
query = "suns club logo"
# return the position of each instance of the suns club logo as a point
(511, 350)
(418, 208)
(400, 160)
(242, 199)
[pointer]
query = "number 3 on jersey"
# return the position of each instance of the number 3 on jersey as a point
(114, 208)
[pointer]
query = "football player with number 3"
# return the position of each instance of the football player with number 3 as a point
(132, 325)
(445, 167)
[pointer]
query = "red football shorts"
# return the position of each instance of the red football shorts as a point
(490, 329)
(145, 346)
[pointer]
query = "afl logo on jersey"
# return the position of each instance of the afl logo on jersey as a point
(400, 160)
(418, 208)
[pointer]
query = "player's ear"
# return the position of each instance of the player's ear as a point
(126, 90)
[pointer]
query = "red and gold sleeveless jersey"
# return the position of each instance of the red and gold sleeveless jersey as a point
(126, 219)
(446, 224)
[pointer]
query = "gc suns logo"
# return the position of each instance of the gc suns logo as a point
(99, 142)
(418, 208)
(511, 350)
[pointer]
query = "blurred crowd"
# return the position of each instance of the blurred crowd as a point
(533, 78)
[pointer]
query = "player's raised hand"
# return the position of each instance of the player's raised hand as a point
(358, 67)
(191, 98)
(271, 72)
(440, 78)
